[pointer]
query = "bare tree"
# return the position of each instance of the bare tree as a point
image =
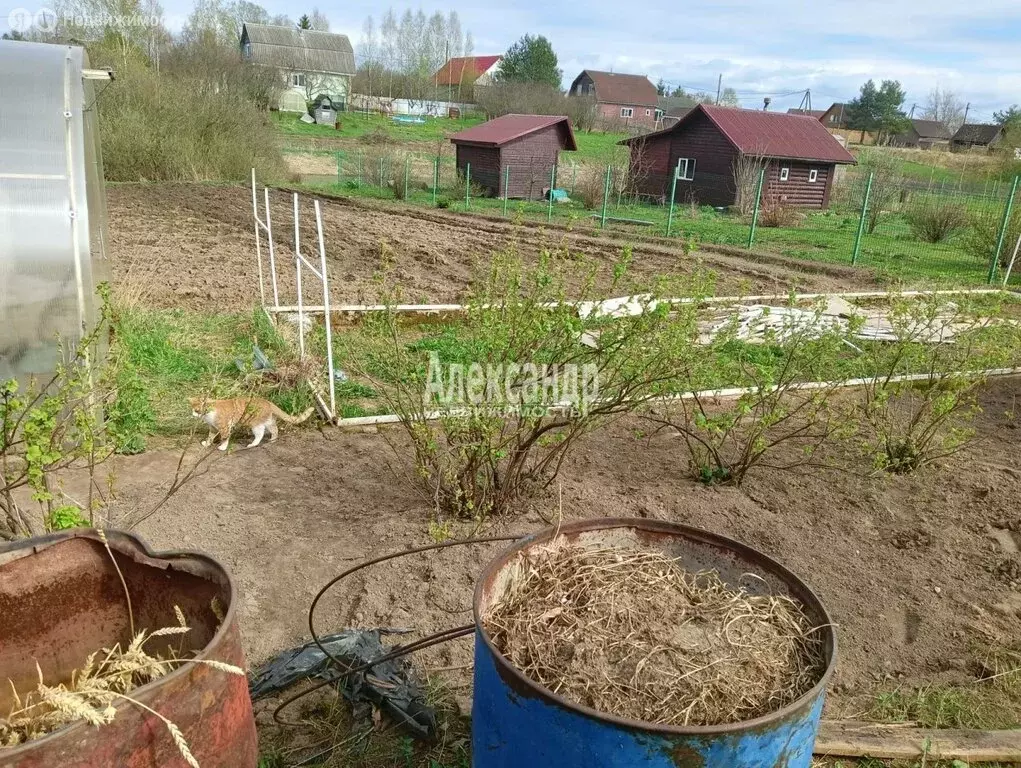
(886, 188)
(946, 108)
(319, 21)
(747, 168)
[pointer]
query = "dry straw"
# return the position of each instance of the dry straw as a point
(630, 633)
(93, 689)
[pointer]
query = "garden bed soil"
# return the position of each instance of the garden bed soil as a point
(192, 246)
(919, 572)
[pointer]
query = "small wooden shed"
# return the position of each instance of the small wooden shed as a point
(514, 155)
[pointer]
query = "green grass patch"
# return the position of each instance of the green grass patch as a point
(167, 356)
(892, 250)
(355, 125)
(592, 146)
(596, 146)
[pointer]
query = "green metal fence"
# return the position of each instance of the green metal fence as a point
(903, 230)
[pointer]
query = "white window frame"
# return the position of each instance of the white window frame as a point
(659, 113)
(298, 80)
(785, 173)
(627, 112)
(813, 176)
(685, 169)
(648, 112)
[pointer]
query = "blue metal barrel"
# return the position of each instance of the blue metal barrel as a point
(518, 724)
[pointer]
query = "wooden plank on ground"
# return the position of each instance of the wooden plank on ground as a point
(848, 738)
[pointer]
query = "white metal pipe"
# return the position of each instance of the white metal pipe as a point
(258, 242)
(361, 308)
(297, 262)
(390, 418)
(1013, 258)
(272, 257)
(326, 304)
(74, 215)
(310, 266)
(437, 308)
(35, 176)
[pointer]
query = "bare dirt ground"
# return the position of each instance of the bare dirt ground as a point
(193, 246)
(915, 570)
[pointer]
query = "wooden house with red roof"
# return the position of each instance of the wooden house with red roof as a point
(703, 150)
(467, 72)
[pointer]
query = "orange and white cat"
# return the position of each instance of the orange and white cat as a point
(254, 413)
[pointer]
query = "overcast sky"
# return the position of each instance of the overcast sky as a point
(772, 47)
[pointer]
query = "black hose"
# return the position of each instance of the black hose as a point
(401, 650)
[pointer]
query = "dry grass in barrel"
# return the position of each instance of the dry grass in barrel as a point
(105, 679)
(631, 633)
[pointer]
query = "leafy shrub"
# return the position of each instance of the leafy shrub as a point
(506, 441)
(983, 234)
(725, 440)
(537, 99)
(589, 185)
(182, 124)
(377, 136)
(442, 202)
(936, 219)
(887, 185)
(777, 212)
(909, 424)
(64, 517)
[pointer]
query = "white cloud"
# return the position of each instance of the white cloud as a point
(775, 47)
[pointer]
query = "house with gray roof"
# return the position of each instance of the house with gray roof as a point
(976, 135)
(923, 134)
(313, 63)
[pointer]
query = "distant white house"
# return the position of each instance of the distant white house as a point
(312, 62)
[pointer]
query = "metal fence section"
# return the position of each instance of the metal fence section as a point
(902, 229)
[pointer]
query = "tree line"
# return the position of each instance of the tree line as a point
(881, 109)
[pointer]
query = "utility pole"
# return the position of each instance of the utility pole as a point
(966, 110)
(912, 115)
(719, 86)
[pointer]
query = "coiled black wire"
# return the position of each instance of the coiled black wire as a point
(436, 638)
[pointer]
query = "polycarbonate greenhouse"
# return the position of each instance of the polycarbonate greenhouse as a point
(52, 209)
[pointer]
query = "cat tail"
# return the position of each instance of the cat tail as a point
(284, 416)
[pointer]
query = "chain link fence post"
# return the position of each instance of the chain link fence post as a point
(856, 252)
(407, 170)
(340, 168)
(673, 192)
(755, 210)
(1004, 227)
(467, 185)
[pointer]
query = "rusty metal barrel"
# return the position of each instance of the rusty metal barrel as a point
(61, 599)
(517, 722)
